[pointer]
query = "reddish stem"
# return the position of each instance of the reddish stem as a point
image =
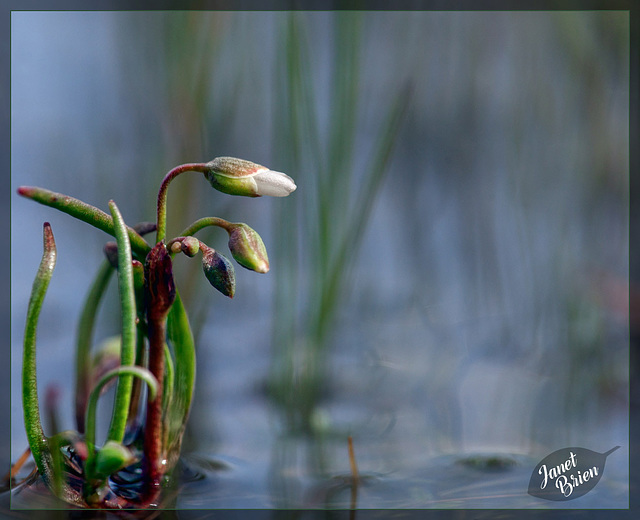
(161, 219)
(159, 296)
(153, 428)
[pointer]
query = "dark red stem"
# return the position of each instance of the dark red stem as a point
(159, 296)
(153, 429)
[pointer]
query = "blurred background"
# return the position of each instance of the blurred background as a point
(449, 283)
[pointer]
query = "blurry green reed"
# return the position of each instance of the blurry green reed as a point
(318, 236)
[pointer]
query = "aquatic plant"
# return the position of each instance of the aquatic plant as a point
(154, 360)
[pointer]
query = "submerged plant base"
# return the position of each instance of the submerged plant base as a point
(125, 488)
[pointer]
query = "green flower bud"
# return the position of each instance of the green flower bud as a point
(219, 271)
(111, 458)
(248, 249)
(190, 246)
(240, 177)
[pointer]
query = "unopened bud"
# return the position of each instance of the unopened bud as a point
(240, 177)
(219, 271)
(190, 246)
(248, 248)
(111, 458)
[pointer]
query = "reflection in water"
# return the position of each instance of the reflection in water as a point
(483, 481)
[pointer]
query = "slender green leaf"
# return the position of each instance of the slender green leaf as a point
(128, 327)
(33, 424)
(180, 337)
(85, 212)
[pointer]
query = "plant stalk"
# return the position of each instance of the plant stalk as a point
(206, 222)
(159, 296)
(161, 221)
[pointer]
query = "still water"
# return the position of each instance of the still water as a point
(239, 456)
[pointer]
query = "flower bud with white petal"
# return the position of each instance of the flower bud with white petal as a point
(240, 177)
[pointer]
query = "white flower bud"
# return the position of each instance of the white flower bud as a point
(240, 177)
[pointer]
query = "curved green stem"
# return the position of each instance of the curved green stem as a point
(83, 343)
(142, 373)
(33, 424)
(128, 311)
(206, 222)
(85, 212)
(161, 221)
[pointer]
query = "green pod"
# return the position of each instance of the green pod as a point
(219, 271)
(248, 249)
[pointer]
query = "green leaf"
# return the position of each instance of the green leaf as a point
(180, 337)
(128, 327)
(33, 425)
(85, 212)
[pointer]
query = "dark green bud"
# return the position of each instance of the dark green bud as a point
(219, 271)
